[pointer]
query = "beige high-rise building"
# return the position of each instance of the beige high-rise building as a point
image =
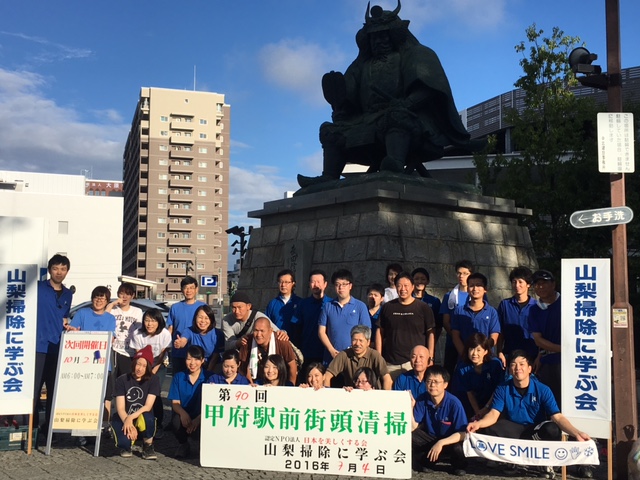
(176, 190)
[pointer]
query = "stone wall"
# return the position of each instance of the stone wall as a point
(367, 226)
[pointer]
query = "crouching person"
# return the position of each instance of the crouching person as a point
(439, 424)
(135, 394)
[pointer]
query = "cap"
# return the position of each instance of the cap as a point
(240, 297)
(146, 353)
(542, 275)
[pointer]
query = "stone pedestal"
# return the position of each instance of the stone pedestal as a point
(365, 226)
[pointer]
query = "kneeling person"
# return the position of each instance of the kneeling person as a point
(439, 422)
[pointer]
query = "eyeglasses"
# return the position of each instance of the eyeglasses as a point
(361, 382)
(434, 382)
(342, 285)
(284, 283)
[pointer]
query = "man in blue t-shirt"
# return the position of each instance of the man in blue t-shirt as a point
(181, 318)
(308, 314)
(282, 309)
(439, 422)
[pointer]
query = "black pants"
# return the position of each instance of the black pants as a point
(180, 432)
(45, 374)
(508, 429)
(421, 443)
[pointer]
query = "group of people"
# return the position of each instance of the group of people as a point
(486, 380)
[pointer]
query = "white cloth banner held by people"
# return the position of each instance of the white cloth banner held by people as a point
(289, 429)
(530, 452)
(19, 303)
(586, 344)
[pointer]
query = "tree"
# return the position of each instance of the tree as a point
(555, 171)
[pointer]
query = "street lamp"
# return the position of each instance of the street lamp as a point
(242, 243)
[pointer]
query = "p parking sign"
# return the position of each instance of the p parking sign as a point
(209, 281)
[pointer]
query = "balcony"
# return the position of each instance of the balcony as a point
(180, 212)
(180, 168)
(180, 197)
(180, 227)
(173, 287)
(144, 152)
(182, 126)
(176, 272)
(173, 183)
(180, 154)
(179, 242)
(179, 257)
(182, 140)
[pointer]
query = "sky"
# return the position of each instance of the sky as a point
(71, 72)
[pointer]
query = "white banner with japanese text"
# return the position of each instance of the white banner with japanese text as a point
(81, 380)
(292, 429)
(19, 306)
(586, 344)
(530, 452)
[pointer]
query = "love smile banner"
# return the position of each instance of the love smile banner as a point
(531, 452)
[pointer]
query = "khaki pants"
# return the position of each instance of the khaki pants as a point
(396, 370)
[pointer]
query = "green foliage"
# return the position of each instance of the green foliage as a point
(555, 172)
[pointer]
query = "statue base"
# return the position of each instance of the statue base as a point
(366, 224)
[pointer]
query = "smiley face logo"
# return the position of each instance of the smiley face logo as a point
(561, 454)
(481, 446)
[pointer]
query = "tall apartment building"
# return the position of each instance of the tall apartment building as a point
(176, 190)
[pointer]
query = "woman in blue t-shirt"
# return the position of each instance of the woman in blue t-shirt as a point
(203, 333)
(230, 375)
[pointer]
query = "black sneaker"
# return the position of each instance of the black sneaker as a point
(183, 451)
(126, 453)
(585, 471)
(148, 452)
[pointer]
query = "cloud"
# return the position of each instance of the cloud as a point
(312, 163)
(250, 189)
(235, 144)
(38, 135)
(52, 51)
(297, 65)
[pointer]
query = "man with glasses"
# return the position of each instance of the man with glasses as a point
(181, 318)
(282, 309)
(439, 422)
(339, 316)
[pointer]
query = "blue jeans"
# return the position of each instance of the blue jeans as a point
(122, 441)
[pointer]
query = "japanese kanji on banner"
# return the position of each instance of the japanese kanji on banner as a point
(19, 291)
(586, 344)
(292, 429)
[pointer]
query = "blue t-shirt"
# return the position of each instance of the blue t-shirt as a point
(52, 309)
(468, 322)
(443, 420)
(180, 318)
(547, 323)
(482, 385)
(445, 310)
(189, 395)
(307, 327)
(88, 321)
(283, 315)
(212, 341)
(220, 380)
(340, 320)
(409, 381)
(532, 408)
(514, 324)
(436, 305)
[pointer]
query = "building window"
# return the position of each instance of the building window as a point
(186, 162)
(186, 149)
(163, 148)
(203, 150)
(160, 280)
(163, 176)
(186, 235)
(188, 120)
(160, 265)
(202, 236)
(162, 206)
(164, 133)
(163, 161)
(203, 135)
(219, 107)
(203, 121)
(202, 221)
(218, 178)
(163, 118)
(63, 228)
(219, 164)
(218, 191)
(202, 208)
(202, 164)
(202, 193)
(184, 250)
(161, 250)
(162, 191)
(162, 234)
(202, 178)
(217, 205)
(202, 251)
(187, 134)
(162, 220)
(201, 266)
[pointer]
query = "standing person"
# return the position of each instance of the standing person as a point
(513, 313)
(421, 280)
(438, 424)
(476, 315)
(545, 327)
(181, 317)
(404, 323)
(308, 316)
(390, 273)
(282, 309)
(154, 333)
(339, 316)
(97, 319)
(203, 333)
(128, 318)
(136, 393)
(54, 303)
(375, 299)
(185, 394)
(457, 296)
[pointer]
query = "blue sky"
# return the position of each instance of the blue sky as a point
(71, 71)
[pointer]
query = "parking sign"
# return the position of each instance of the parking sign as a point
(209, 281)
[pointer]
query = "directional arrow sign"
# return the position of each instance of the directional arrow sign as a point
(601, 217)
